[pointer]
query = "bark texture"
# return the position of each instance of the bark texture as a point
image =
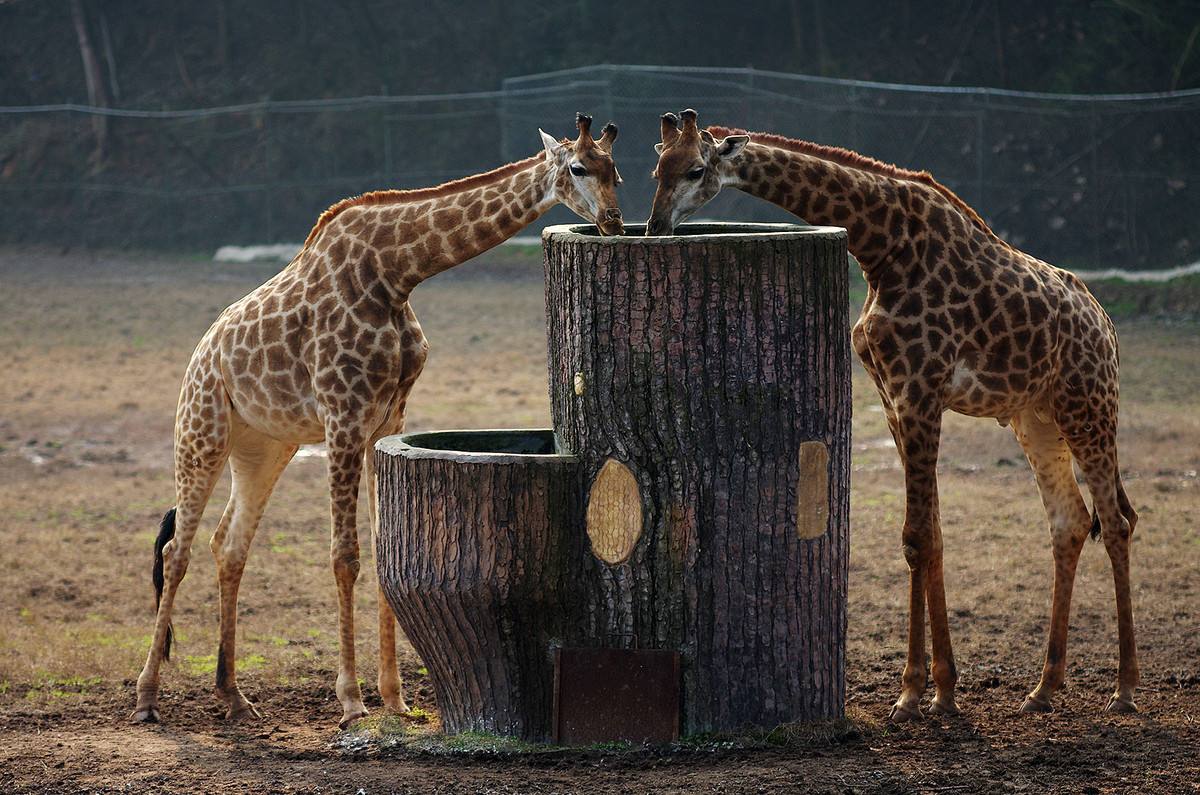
(472, 556)
(705, 362)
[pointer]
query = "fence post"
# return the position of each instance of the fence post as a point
(981, 193)
(268, 177)
(1094, 184)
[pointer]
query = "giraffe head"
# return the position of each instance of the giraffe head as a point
(585, 177)
(692, 167)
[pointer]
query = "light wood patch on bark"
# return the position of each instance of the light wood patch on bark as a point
(614, 513)
(812, 490)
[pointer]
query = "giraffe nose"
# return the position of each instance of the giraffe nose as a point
(613, 214)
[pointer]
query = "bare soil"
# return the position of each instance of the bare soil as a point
(92, 349)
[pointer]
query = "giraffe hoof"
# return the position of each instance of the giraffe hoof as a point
(902, 713)
(350, 716)
(946, 708)
(396, 706)
(1036, 704)
(1121, 706)
(145, 715)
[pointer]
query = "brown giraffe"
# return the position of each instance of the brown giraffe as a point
(955, 319)
(327, 350)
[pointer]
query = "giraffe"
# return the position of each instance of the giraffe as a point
(955, 319)
(327, 350)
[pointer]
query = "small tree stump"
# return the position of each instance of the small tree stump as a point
(472, 556)
(703, 380)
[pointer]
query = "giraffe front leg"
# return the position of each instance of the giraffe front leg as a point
(945, 672)
(345, 469)
(918, 435)
(390, 688)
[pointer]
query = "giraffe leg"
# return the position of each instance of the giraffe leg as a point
(1050, 459)
(945, 672)
(1098, 460)
(345, 469)
(256, 462)
(199, 459)
(390, 687)
(918, 434)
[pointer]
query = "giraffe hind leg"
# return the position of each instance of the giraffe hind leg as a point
(1050, 459)
(256, 463)
(199, 459)
(1096, 453)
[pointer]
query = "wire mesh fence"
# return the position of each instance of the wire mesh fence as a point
(1082, 181)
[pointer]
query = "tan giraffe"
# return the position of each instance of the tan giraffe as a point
(327, 350)
(955, 319)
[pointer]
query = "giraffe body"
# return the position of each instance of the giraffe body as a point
(328, 350)
(955, 319)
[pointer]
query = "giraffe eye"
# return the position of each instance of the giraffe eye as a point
(578, 170)
(696, 173)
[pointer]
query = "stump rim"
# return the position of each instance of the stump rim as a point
(723, 232)
(408, 445)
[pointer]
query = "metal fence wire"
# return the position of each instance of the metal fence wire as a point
(1083, 181)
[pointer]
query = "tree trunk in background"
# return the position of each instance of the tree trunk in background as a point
(97, 93)
(704, 384)
(473, 557)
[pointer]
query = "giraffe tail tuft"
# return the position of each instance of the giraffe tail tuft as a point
(1095, 525)
(166, 531)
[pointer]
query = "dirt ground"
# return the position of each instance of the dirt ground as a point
(92, 349)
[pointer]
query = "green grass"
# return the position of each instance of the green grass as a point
(206, 664)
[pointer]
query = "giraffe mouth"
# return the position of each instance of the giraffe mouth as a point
(610, 223)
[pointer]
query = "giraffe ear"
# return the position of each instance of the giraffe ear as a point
(732, 146)
(552, 145)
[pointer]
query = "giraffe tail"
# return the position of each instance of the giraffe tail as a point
(166, 531)
(1095, 525)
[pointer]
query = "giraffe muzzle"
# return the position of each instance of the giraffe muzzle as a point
(610, 222)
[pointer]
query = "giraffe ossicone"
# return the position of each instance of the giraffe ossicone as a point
(328, 350)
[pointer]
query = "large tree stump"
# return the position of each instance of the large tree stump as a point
(703, 380)
(473, 558)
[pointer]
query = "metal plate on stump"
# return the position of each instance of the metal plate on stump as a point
(607, 695)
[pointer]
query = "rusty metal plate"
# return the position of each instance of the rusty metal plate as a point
(607, 695)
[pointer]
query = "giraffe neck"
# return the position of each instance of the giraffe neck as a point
(419, 234)
(890, 221)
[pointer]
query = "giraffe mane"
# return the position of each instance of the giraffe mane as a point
(852, 159)
(391, 196)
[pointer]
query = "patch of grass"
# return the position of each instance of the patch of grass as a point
(476, 744)
(200, 664)
(206, 664)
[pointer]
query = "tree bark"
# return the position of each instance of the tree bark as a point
(97, 94)
(473, 558)
(715, 370)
